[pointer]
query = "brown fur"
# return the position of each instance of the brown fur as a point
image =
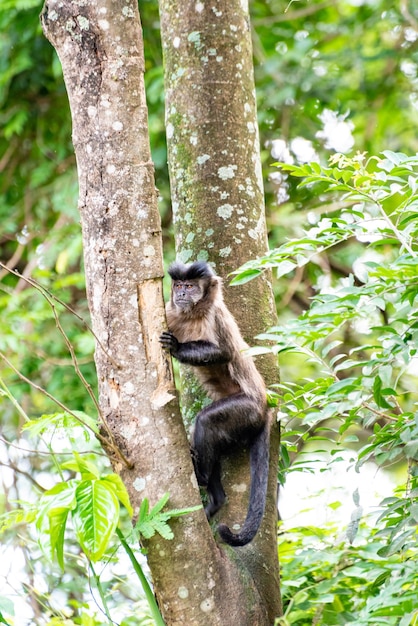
(210, 320)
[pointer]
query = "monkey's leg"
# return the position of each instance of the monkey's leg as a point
(219, 427)
(216, 493)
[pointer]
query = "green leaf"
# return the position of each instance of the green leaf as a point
(57, 523)
(95, 516)
(86, 468)
(51, 521)
(377, 394)
(150, 522)
(245, 277)
(121, 493)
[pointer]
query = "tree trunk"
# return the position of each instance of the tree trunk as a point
(218, 208)
(99, 43)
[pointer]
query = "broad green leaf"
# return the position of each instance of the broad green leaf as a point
(95, 516)
(117, 484)
(86, 468)
(57, 523)
(245, 277)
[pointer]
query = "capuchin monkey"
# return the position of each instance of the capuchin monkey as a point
(202, 333)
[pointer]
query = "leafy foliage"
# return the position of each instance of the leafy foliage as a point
(358, 340)
(327, 581)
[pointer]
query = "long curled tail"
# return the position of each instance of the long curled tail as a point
(259, 465)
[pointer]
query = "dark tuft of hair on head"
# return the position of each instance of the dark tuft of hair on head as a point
(198, 269)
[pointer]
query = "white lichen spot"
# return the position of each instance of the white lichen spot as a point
(169, 130)
(83, 22)
(239, 66)
(252, 233)
(144, 421)
(212, 52)
(111, 169)
(183, 593)
(204, 59)
(176, 42)
(239, 487)
(199, 6)
(233, 28)
(217, 12)
(247, 107)
(91, 111)
(103, 10)
(190, 237)
(224, 252)
(186, 255)
(128, 388)
(188, 218)
(135, 242)
(193, 140)
(225, 211)
(149, 251)
(227, 172)
(194, 38)
(202, 159)
(178, 73)
(224, 195)
(207, 605)
(104, 24)
(251, 127)
(139, 484)
(117, 126)
(128, 12)
(219, 59)
(133, 300)
(209, 232)
(202, 255)
(53, 16)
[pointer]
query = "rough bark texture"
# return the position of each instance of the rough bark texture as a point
(218, 207)
(99, 43)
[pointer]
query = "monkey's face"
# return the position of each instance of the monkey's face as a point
(186, 293)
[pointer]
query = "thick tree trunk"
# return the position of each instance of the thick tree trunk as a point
(218, 206)
(99, 43)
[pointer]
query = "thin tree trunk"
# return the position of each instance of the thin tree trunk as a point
(218, 207)
(99, 43)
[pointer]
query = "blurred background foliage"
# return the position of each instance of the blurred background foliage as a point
(332, 76)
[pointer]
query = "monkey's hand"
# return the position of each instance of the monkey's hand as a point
(169, 342)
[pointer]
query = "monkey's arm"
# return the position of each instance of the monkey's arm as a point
(193, 352)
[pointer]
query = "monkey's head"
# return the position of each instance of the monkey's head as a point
(192, 284)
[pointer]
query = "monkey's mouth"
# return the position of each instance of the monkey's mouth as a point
(184, 303)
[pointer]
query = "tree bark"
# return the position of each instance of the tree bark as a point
(218, 209)
(99, 43)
